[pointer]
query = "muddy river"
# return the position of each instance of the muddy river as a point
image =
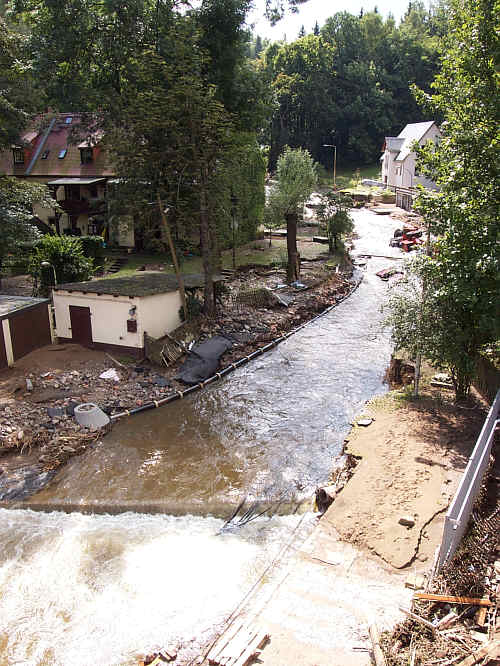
(147, 567)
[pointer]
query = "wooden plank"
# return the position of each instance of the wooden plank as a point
(418, 619)
(425, 596)
(253, 650)
(236, 648)
(223, 641)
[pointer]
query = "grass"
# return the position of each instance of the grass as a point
(347, 177)
(255, 252)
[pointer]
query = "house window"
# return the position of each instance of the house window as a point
(62, 154)
(86, 155)
(18, 155)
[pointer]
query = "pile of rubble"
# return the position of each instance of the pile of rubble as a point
(455, 621)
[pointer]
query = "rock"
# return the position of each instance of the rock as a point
(364, 422)
(407, 521)
(20, 434)
(70, 408)
(55, 412)
(161, 381)
(29, 385)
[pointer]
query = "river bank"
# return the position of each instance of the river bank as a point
(38, 395)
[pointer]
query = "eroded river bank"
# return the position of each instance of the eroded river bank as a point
(80, 589)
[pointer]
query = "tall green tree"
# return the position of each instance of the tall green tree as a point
(461, 303)
(296, 177)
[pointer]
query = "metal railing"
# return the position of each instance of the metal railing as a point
(457, 517)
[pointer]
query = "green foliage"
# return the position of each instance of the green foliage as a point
(65, 256)
(193, 305)
(16, 201)
(459, 300)
(296, 177)
(349, 84)
(93, 247)
(334, 216)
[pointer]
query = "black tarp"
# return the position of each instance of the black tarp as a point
(203, 360)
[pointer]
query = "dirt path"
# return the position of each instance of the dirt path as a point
(411, 459)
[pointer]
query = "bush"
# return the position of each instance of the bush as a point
(93, 248)
(66, 259)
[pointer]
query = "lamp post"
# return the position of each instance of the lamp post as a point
(329, 145)
(47, 264)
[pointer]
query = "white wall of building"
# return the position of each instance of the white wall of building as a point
(108, 316)
(157, 314)
(401, 173)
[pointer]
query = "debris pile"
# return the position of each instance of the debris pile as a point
(456, 623)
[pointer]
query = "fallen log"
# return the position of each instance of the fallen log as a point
(469, 601)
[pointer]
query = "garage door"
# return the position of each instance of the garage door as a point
(29, 329)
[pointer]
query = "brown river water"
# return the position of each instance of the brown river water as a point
(126, 556)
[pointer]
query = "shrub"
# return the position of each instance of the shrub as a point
(93, 248)
(66, 259)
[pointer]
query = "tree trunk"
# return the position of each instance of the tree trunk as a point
(206, 249)
(291, 245)
(215, 245)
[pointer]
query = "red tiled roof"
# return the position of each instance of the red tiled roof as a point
(57, 139)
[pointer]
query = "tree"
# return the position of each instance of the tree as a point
(16, 217)
(302, 32)
(460, 304)
(334, 217)
(316, 29)
(65, 255)
(296, 177)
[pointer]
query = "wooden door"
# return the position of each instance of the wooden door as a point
(81, 325)
(29, 329)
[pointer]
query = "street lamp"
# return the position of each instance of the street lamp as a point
(47, 264)
(329, 145)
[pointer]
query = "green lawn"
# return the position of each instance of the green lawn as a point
(255, 252)
(348, 176)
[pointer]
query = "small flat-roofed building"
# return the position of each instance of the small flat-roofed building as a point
(117, 312)
(25, 326)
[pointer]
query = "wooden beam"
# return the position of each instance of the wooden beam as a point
(377, 650)
(425, 596)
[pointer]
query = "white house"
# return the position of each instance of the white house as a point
(398, 160)
(116, 312)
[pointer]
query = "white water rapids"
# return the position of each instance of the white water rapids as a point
(77, 589)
